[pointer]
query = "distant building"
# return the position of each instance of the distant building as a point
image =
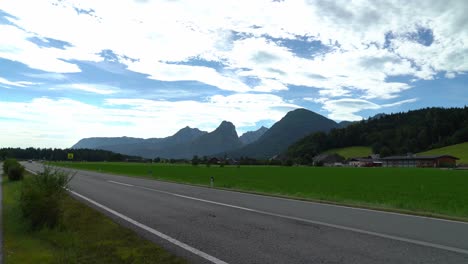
(327, 159)
(434, 161)
(365, 162)
(214, 160)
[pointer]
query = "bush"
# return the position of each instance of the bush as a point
(42, 196)
(15, 172)
(6, 164)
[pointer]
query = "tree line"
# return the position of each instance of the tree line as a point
(393, 134)
(55, 154)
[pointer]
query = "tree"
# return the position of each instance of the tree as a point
(195, 160)
(385, 151)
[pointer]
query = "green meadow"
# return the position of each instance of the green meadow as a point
(352, 152)
(459, 150)
(434, 192)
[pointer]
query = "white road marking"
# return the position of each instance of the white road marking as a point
(152, 231)
(130, 185)
(33, 172)
(147, 228)
(408, 240)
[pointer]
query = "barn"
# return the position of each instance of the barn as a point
(434, 161)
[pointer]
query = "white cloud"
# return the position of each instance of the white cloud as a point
(47, 76)
(269, 85)
(45, 122)
(16, 47)
(174, 72)
(246, 40)
(153, 34)
(17, 84)
(346, 109)
(88, 87)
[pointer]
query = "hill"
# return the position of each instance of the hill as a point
(102, 142)
(458, 150)
(147, 148)
(400, 133)
(293, 126)
(252, 136)
(344, 124)
(222, 139)
(187, 142)
(351, 152)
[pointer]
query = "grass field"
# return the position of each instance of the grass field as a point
(459, 150)
(352, 152)
(425, 191)
(86, 237)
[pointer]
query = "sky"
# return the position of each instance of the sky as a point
(71, 69)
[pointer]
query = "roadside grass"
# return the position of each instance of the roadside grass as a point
(352, 152)
(86, 236)
(459, 150)
(433, 192)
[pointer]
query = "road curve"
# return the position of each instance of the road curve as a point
(216, 226)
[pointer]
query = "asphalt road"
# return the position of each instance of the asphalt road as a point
(216, 226)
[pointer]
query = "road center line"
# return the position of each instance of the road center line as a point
(151, 230)
(408, 240)
(130, 185)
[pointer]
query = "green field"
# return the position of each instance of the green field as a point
(459, 150)
(352, 152)
(424, 191)
(86, 236)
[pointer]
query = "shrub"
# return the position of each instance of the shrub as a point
(6, 164)
(15, 172)
(42, 196)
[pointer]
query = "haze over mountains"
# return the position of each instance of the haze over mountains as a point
(187, 142)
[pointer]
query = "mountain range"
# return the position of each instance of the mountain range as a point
(263, 143)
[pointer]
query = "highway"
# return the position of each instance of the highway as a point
(207, 225)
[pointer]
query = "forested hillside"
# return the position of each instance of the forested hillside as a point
(293, 126)
(413, 131)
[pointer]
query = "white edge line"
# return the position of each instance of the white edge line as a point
(357, 230)
(33, 172)
(147, 228)
(153, 231)
(453, 249)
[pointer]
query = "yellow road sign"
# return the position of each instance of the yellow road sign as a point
(70, 156)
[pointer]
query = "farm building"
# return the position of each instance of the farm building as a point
(420, 161)
(327, 159)
(365, 162)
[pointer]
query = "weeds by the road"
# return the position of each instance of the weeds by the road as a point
(85, 236)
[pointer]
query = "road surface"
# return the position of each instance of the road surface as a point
(216, 226)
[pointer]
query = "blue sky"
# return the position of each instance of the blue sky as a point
(71, 69)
